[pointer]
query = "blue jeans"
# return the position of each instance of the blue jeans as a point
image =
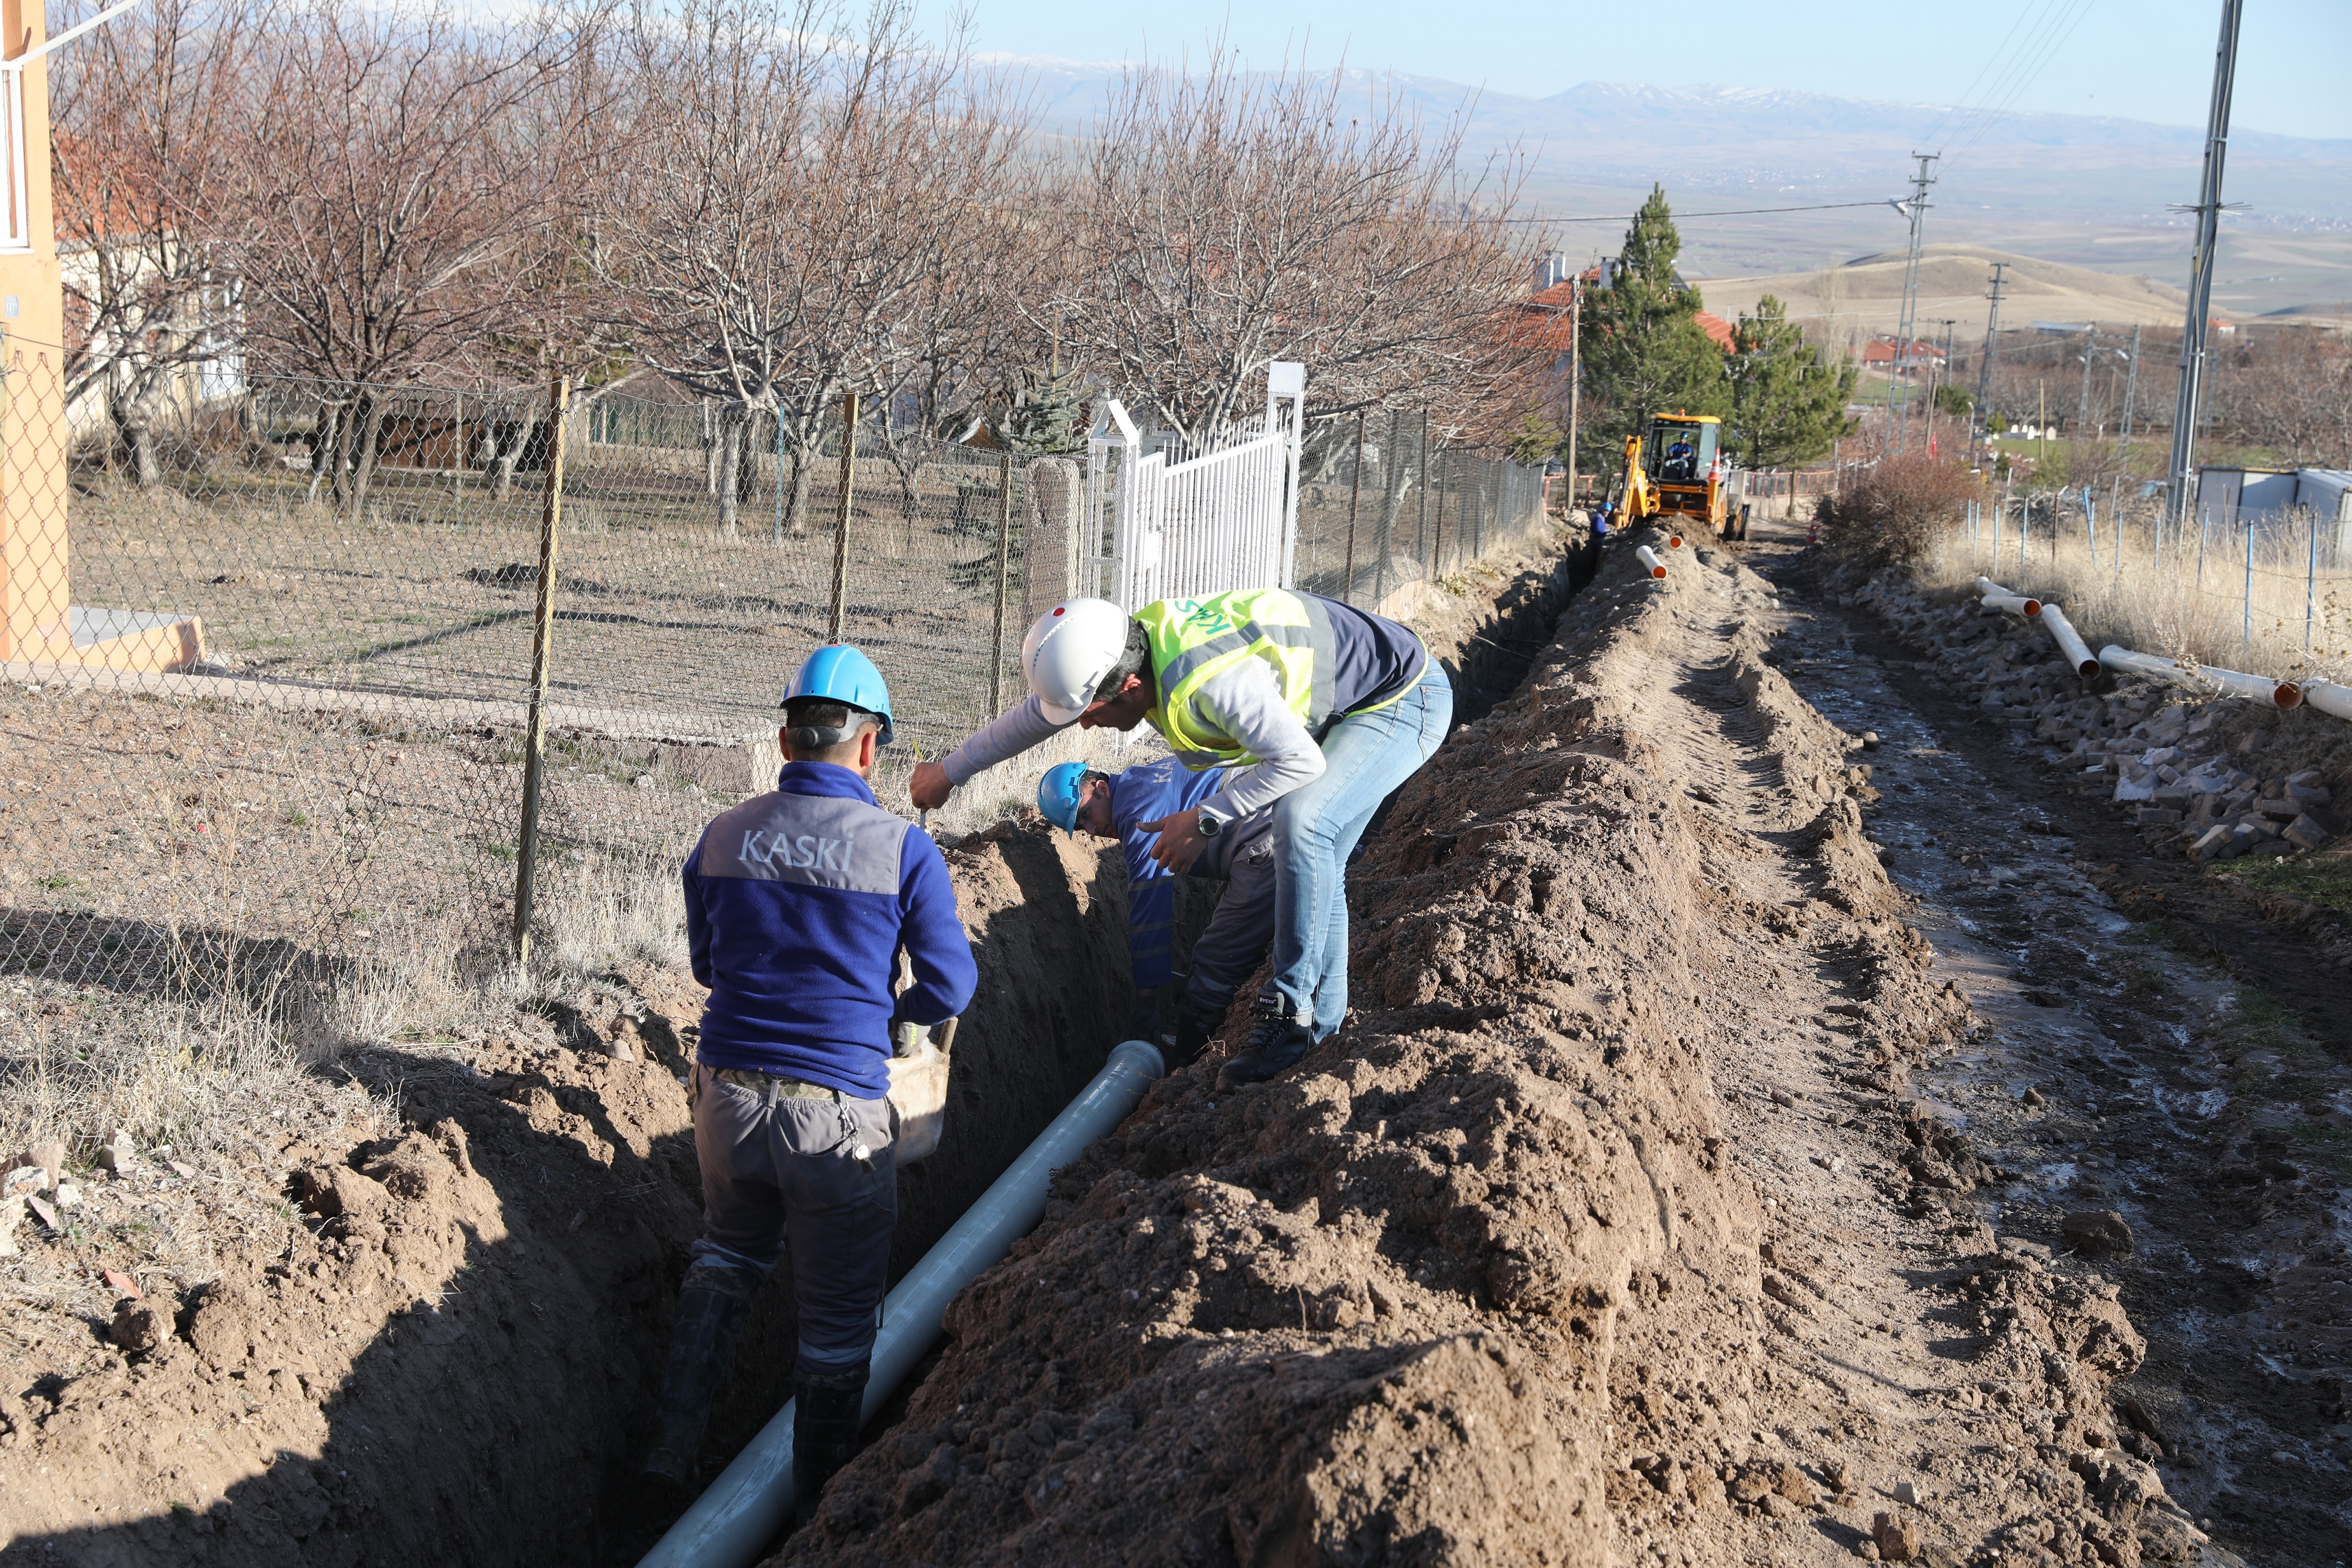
(1366, 756)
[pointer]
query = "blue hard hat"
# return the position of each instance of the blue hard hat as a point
(1058, 795)
(839, 673)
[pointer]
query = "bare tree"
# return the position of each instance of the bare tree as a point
(959, 353)
(1221, 222)
(379, 191)
(787, 227)
(144, 110)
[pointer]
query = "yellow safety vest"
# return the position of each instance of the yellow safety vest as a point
(1191, 640)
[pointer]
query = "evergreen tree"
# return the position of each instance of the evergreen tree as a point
(1048, 419)
(1787, 406)
(1644, 351)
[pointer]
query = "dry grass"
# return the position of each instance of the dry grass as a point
(2175, 595)
(224, 1041)
(603, 914)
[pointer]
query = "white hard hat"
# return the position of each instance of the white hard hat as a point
(1067, 654)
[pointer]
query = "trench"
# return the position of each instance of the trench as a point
(452, 1358)
(1488, 645)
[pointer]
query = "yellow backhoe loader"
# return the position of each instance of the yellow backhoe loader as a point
(1678, 476)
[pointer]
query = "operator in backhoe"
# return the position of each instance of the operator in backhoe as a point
(1310, 705)
(797, 905)
(1682, 460)
(1076, 799)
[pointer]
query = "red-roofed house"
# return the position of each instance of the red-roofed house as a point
(1889, 355)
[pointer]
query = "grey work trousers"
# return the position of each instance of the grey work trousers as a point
(1236, 938)
(780, 1170)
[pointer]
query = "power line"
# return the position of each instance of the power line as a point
(2062, 29)
(1682, 217)
(1958, 104)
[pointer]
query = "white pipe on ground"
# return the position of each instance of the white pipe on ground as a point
(728, 1525)
(2329, 698)
(1995, 597)
(1649, 557)
(2279, 693)
(2070, 642)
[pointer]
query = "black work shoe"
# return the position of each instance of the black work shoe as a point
(1194, 1026)
(711, 1309)
(1275, 1044)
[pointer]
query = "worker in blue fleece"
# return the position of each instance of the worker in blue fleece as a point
(797, 906)
(1079, 799)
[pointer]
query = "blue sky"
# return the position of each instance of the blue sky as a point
(2141, 60)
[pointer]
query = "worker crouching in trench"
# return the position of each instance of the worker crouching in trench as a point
(1077, 799)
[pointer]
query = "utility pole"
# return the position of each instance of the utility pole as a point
(1943, 376)
(2082, 407)
(2188, 407)
(1575, 375)
(1984, 366)
(2131, 389)
(1899, 394)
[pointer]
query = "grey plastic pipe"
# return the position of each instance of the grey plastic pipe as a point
(2070, 642)
(1649, 558)
(1995, 597)
(2329, 697)
(746, 1507)
(2280, 693)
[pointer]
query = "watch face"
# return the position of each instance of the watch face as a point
(1210, 827)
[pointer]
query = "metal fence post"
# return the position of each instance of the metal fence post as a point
(1004, 566)
(780, 477)
(542, 637)
(2310, 575)
(1389, 471)
(2246, 634)
(1355, 494)
(1437, 533)
(1421, 528)
(841, 519)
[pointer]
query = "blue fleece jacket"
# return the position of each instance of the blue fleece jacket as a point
(797, 905)
(1147, 794)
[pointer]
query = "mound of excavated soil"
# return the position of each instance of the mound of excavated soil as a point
(1604, 1232)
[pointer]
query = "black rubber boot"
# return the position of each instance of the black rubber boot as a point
(1194, 1024)
(712, 1305)
(825, 1407)
(1276, 1043)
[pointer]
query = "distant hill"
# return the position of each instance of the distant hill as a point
(1864, 296)
(2088, 190)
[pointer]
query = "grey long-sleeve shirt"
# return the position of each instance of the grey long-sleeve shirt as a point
(1240, 701)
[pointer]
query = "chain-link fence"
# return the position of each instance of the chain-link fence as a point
(270, 711)
(1382, 504)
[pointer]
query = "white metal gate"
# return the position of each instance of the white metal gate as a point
(1200, 518)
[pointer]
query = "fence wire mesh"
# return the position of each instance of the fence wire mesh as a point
(266, 714)
(1382, 504)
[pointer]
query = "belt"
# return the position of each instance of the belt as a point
(774, 1085)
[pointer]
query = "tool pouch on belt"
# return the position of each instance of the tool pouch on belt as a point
(918, 1086)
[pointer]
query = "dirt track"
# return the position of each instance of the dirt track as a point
(1670, 1197)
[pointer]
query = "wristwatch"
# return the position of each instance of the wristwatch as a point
(1208, 826)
